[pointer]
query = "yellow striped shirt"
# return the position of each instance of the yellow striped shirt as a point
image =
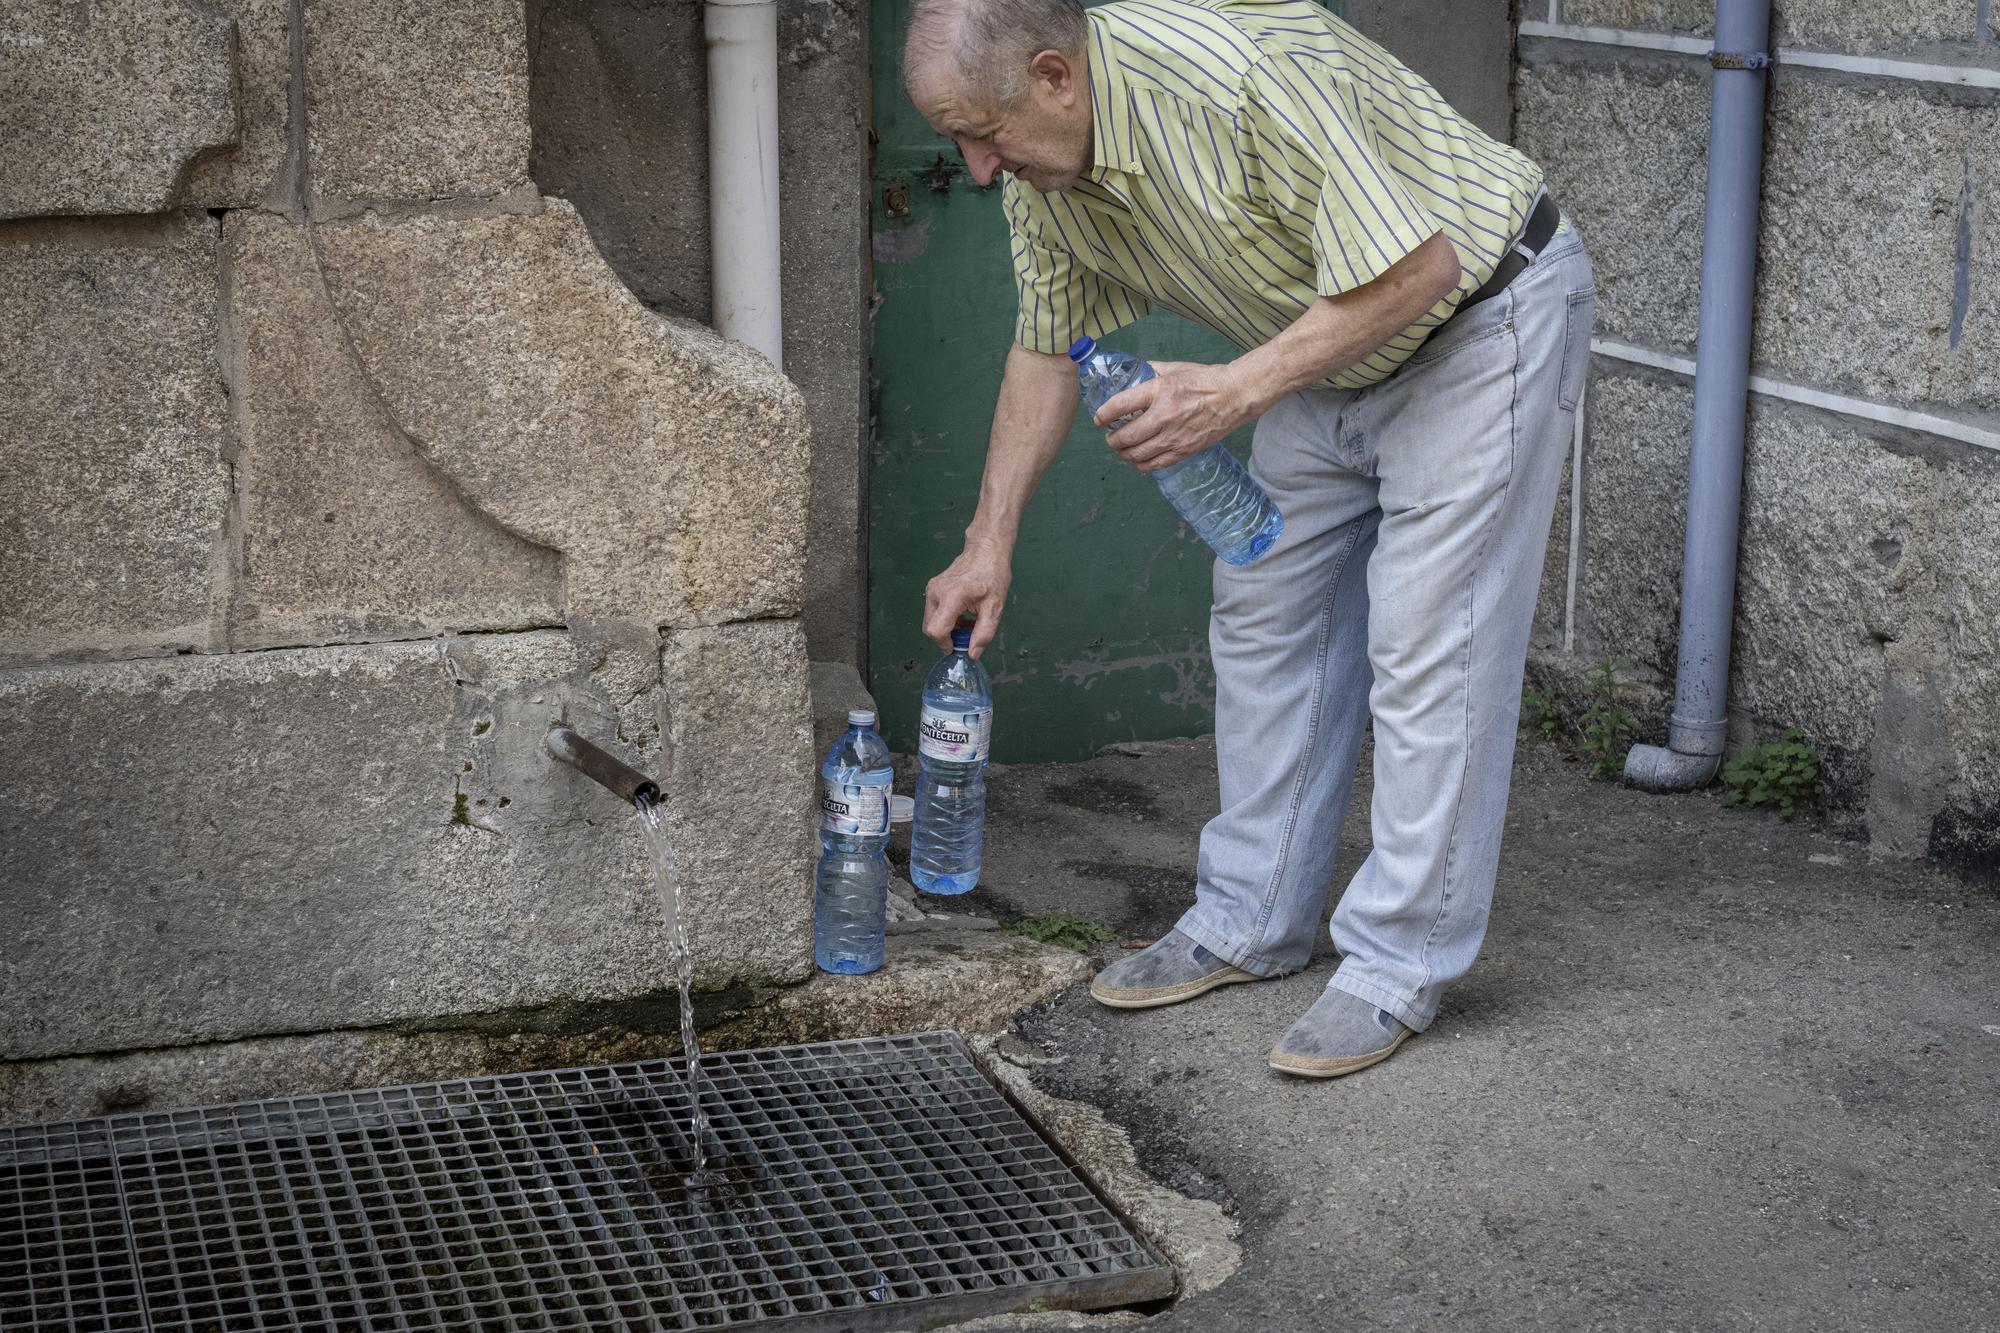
(1251, 156)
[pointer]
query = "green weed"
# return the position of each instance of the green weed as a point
(1606, 730)
(1541, 712)
(1060, 928)
(1784, 773)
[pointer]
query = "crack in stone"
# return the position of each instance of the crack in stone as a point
(305, 647)
(1961, 283)
(228, 553)
(294, 172)
(521, 200)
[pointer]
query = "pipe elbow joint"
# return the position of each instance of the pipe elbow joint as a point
(1657, 768)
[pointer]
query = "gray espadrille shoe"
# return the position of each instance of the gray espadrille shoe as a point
(1171, 969)
(1340, 1034)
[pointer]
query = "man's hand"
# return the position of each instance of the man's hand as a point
(1037, 404)
(976, 582)
(1186, 407)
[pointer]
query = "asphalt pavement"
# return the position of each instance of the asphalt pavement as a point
(1712, 1071)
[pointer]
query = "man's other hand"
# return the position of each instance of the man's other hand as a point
(976, 584)
(1185, 408)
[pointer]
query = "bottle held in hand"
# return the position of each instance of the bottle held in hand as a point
(1213, 491)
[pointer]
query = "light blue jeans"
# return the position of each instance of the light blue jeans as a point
(1416, 513)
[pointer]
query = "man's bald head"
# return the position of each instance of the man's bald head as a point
(980, 51)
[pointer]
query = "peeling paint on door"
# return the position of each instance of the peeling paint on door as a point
(899, 245)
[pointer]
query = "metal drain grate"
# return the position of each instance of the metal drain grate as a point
(863, 1178)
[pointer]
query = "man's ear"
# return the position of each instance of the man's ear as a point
(1054, 68)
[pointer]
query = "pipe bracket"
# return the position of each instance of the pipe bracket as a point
(1740, 59)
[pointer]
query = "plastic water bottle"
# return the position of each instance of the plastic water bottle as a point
(1214, 492)
(953, 741)
(851, 889)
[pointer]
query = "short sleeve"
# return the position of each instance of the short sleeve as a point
(1058, 298)
(1304, 123)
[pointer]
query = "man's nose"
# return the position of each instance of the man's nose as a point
(983, 163)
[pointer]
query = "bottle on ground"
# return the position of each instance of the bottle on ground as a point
(954, 738)
(850, 895)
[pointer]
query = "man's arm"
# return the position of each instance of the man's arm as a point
(1188, 407)
(1038, 396)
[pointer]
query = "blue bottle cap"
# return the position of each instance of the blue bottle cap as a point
(1080, 350)
(961, 638)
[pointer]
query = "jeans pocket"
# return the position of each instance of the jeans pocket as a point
(1578, 314)
(1488, 320)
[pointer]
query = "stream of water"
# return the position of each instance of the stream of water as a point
(668, 881)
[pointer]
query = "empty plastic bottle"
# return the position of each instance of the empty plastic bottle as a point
(1213, 491)
(953, 740)
(850, 891)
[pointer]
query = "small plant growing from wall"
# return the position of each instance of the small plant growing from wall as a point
(1606, 728)
(1784, 773)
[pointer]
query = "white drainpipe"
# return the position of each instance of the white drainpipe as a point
(743, 171)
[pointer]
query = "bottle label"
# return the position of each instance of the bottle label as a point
(854, 809)
(956, 738)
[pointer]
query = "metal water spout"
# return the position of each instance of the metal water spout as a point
(607, 770)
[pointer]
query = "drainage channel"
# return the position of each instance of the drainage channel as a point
(871, 1184)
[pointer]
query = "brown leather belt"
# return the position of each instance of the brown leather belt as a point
(1542, 223)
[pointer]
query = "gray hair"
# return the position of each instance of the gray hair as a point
(985, 45)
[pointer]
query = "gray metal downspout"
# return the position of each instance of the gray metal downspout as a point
(1721, 393)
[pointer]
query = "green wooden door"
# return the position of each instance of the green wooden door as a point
(1105, 636)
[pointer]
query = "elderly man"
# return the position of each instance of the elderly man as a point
(1415, 317)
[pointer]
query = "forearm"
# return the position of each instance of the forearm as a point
(1038, 396)
(1335, 332)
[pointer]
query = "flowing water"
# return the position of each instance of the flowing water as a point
(668, 881)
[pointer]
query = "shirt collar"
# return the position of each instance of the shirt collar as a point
(1114, 141)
